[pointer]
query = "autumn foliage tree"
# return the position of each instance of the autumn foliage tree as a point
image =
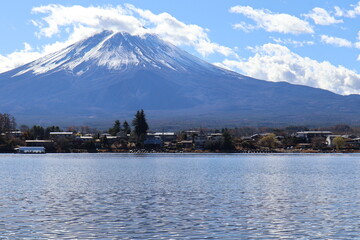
(339, 143)
(269, 141)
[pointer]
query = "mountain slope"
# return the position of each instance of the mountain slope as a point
(110, 75)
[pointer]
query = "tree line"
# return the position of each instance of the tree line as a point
(140, 127)
(7, 123)
(133, 134)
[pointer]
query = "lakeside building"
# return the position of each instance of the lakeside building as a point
(165, 136)
(309, 135)
(30, 150)
(59, 135)
(153, 141)
(15, 134)
(85, 138)
(215, 137)
(200, 141)
(40, 143)
(185, 144)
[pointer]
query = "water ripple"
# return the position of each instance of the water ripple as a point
(120, 196)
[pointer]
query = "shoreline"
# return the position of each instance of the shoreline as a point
(195, 152)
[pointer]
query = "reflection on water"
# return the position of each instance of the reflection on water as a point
(123, 196)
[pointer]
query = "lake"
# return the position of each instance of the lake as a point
(180, 196)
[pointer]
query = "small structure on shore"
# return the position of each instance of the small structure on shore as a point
(34, 150)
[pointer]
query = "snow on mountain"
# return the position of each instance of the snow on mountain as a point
(115, 51)
(112, 74)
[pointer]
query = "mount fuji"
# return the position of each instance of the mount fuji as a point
(110, 75)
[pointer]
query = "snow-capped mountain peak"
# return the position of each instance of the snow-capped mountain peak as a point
(112, 74)
(115, 51)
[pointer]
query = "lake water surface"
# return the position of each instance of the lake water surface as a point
(179, 196)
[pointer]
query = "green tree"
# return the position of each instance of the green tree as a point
(227, 144)
(37, 132)
(126, 128)
(51, 129)
(24, 128)
(339, 143)
(104, 142)
(214, 145)
(140, 126)
(115, 129)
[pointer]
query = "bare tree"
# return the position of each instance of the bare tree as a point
(7, 123)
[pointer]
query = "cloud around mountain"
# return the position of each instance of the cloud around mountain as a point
(78, 22)
(110, 75)
(274, 62)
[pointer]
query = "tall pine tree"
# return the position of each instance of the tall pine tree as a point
(140, 126)
(116, 128)
(126, 127)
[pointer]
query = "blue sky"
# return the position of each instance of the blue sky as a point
(314, 43)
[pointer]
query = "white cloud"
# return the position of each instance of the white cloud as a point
(171, 29)
(111, 18)
(129, 19)
(289, 41)
(18, 58)
(274, 62)
(28, 54)
(79, 22)
(322, 17)
(340, 42)
(350, 13)
(244, 26)
(272, 22)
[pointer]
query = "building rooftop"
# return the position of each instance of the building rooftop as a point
(39, 141)
(315, 132)
(30, 149)
(61, 133)
(162, 134)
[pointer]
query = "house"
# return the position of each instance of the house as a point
(190, 134)
(165, 136)
(256, 137)
(61, 135)
(15, 134)
(215, 137)
(200, 141)
(121, 134)
(40, 143)
(185, 144)
(309, 135)
(30, 150)
(354, 142)
(85, 138)
(109, 138)
(153, 141)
